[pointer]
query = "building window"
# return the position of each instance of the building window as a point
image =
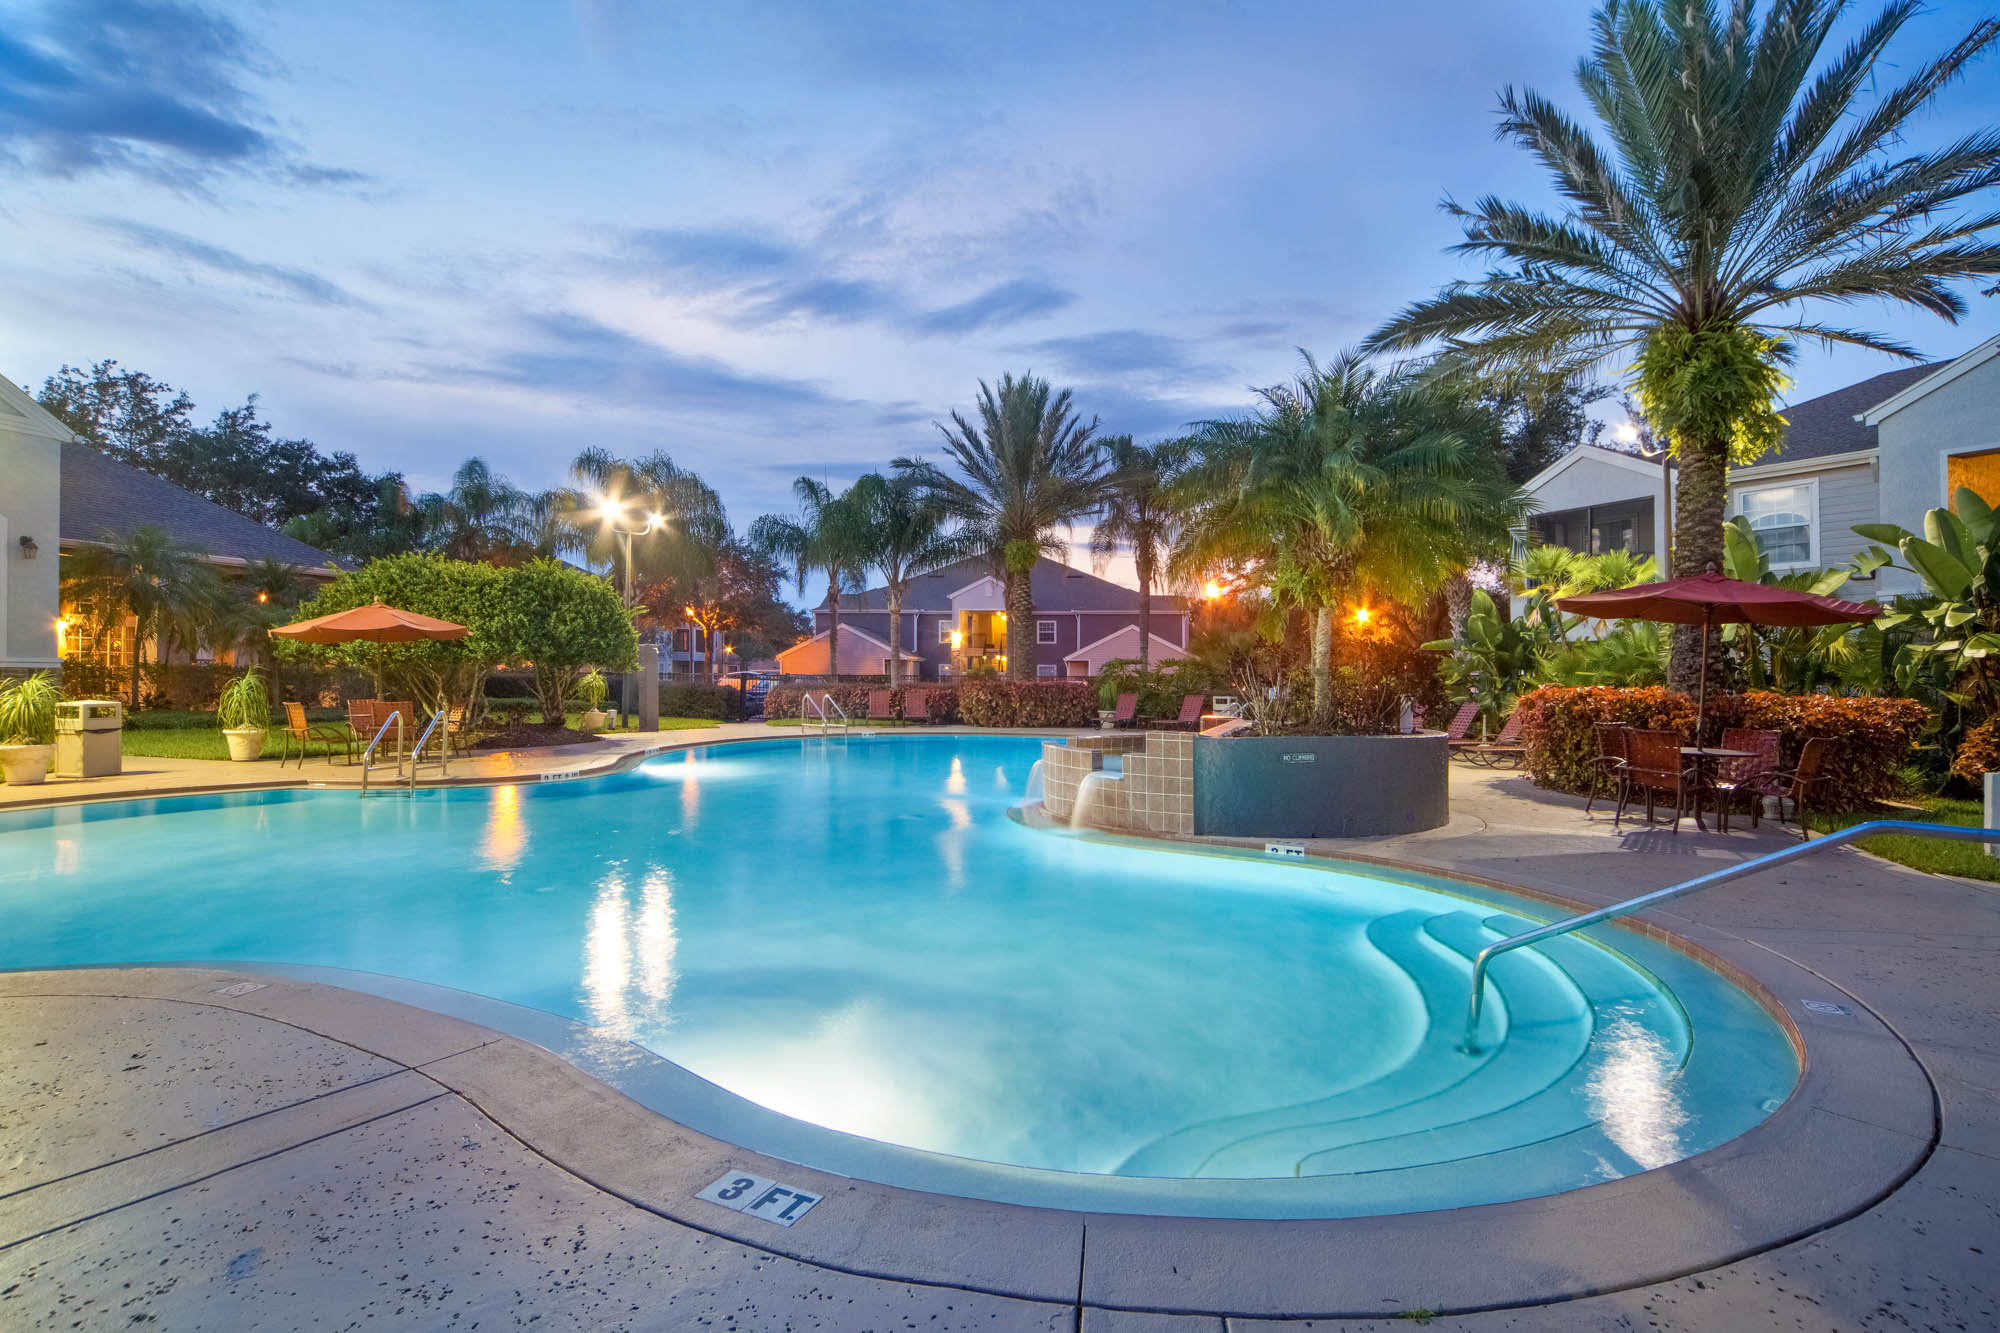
(1045, 631)
(1976, 472)
(944, 631)
(1045, 669)
(1781, 517)
(85, 639)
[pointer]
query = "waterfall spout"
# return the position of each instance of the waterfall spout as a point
(1034, 790)
(1086, 796)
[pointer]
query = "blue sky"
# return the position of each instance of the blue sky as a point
(770, 238)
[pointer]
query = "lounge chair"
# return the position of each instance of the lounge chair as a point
(1504, 748)
(298, 730)
(916, 704)
(1458, 734)
(881, 705)
(1655, 765)
(1126, 713)
(1190, 718)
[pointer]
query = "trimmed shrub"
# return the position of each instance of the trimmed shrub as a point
(786, 700)
(1871, 736)
(711, 701)
(941, 706)
(1027, 703)
(1978, 753)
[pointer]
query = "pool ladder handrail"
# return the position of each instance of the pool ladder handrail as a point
(367, 756)
(444, 748)
(1485, 957)
(820, 705)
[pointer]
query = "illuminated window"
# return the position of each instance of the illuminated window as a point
(1978, 473)
(86, 640)
(1045, 631)
(944, 631)
(1782, 519)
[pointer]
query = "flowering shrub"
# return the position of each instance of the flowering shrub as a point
(1979, 753)
(1871, 736)
(1027, 703)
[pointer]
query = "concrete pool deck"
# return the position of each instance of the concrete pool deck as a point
(294, 1153)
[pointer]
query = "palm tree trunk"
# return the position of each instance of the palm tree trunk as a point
(1020, 626)
(1322, 665)
(895, 593)
(1458, 600)
(1700, 495)
(1143, 562)
(833, 624)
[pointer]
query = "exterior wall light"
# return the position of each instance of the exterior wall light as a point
(28, 548)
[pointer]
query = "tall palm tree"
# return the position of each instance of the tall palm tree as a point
(823, 538)
(1027, 468)
(1140, 510)
(1740, 186)
(1348, 482)
(166, 587)
(904, 531)
(692, 529)
(477, 518)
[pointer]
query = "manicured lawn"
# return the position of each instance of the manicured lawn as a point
(1945, 858)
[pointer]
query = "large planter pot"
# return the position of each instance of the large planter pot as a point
(245, 743)
(594, 719)
(25, 765)
(1320, 786)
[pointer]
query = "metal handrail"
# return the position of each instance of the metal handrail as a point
(1480, 962)
(820, 705)
(444, 748)
(834, 704)
(368, 754)
(807, 701)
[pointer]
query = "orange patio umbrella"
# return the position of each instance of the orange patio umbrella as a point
(374, 623)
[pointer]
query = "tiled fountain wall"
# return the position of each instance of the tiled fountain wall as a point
(1154, 795)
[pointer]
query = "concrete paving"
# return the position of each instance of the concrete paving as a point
(176, 1155)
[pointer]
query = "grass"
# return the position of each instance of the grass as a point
(1968, 859)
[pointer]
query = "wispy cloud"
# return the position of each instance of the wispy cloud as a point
(1126, 352)
(296, 283)
(155, 89)
(997, 307)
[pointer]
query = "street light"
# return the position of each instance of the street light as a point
(609, 512)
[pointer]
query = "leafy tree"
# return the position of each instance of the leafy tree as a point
(687, 527)
(904, 531)
(125, 413)
(1740, 184)
(477, 519)
(1028, 467)
(563, 621)
(166, 587)
(1140, 511)
(1348, 482)
(824, 537)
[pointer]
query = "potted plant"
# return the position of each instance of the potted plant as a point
(591, 688)
(245, 714)
(28, 728)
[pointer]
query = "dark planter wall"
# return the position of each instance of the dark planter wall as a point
(1320, 786)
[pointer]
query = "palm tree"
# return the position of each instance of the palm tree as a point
(1140, 511)
(1348, 482)
(1029, 467)
(477, 518)
(1740, 187)
(687, 526)
(823, 538)
(166, 587)
(904, 531)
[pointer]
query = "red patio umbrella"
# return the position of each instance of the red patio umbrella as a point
(1708, 600)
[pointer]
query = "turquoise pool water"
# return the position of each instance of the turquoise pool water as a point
(855, 935)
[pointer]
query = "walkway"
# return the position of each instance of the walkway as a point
(183, 1148)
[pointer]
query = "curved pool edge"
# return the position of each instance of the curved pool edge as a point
(1862, 1103)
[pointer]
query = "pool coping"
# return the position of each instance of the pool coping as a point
(1863, 1106)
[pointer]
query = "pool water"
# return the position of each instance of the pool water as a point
(854, 934)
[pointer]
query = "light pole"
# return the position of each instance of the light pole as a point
(611, 513)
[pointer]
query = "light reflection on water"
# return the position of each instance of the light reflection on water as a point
(505, 837)
(1634, 1093)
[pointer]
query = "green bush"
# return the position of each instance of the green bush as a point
(719, 702)
(245, 704)
(1162, 688)
(28, 710)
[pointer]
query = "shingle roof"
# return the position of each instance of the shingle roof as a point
(1826, 425)
(1057, 587)
(102, 497)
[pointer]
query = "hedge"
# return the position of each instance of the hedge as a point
(195, 686)
(1028, 703)
(941, 705)
(1979, 753)
(1871, 736)
(712, 701)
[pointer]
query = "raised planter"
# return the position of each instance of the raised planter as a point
(1320, 786)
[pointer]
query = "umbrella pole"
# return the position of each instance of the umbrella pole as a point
(1701, 689)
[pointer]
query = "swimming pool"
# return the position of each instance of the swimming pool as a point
(856, 936)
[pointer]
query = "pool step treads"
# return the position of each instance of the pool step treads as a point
(1548, 1031)
(1440, 976)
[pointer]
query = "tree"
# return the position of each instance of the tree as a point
(1028, 467)
(1347, 483)
(685, 542)
(477, 519)
(1140, 511)
(125, 413)
(166, 587)
(904, 531)
(1744, 185)
(822, 538)
(563, 621)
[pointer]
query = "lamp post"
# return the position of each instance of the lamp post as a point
(611, 513)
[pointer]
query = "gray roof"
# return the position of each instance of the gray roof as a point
(1826, 425)
(1057, 587)
(102, 498)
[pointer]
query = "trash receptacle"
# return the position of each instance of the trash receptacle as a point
(90, 740)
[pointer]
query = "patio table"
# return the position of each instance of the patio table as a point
(1701, 755)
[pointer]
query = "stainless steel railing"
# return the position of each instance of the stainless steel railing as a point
(1485, 957)
(367, 756)
(444, 748)
(819, 706)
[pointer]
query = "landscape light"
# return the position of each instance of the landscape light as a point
(1360, 615)
(1211, 590)
(957, 638)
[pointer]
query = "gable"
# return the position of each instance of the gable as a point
(21, 413)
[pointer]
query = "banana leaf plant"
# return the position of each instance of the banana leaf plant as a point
(1958, 559)
(1794, 660)
(1495, 659)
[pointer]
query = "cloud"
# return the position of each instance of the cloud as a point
(997, 307)
(832, 300)
(711, 253)
(1126, 352)
(146, 87)
(294, 282)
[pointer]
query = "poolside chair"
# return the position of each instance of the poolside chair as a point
(881, 705)
(1190, 718)
(1654, 765)
(361, 718)
(1504, 748)
(916, 704)
(1126, 713)
(298, 730)
(1733, 776)
(1612, 740)
(1800, 785)
(1458, 733)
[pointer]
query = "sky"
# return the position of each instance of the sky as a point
(769, 238)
